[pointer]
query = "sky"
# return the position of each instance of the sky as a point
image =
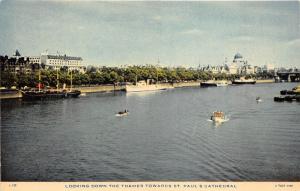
(138, 33)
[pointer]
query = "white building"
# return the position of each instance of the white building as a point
(240, 66)
(247, 69)
(60, 61)
(268, 68)
(235, 66)
(34, 59)
(215, 69)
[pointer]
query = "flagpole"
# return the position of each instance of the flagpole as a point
(39, 80)
(57, 82)
(71, 81)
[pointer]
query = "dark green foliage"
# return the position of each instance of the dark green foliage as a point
(8, 79)
(111, 75)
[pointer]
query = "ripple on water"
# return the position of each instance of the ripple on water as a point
(165, 137)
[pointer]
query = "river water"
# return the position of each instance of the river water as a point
(166, 136)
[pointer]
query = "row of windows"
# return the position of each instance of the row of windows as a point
(64, 64)
(62, 61)
(71, 68)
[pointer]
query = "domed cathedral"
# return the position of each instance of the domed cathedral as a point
(237, 57)
(240, 66)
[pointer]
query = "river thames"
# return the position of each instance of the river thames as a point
(166, 136)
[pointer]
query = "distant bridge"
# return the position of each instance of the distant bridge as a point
(293, 76)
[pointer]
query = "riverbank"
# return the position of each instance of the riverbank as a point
(111, 88)
(103, 89)
(100, 88)
(16, 94)
(265, 81)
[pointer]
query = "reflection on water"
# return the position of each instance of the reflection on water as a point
(218, 123)
(146, 93)
(166, 136)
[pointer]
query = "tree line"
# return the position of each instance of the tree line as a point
(113, 75)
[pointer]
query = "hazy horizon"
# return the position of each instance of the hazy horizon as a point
(178, 33)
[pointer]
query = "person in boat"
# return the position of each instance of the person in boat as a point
(217, 115)
(258, 99)
(123, 112)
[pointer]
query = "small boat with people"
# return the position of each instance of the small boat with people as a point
(122, 113)
(218, 117)
(258, 99)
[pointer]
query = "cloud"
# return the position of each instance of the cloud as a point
(157, 18)
(192, 32)
(167, 18)
(80, 27)
(294, 43)
(243, 38)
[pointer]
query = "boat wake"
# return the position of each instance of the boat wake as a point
(227, 118)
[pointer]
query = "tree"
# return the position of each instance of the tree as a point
(8, 79)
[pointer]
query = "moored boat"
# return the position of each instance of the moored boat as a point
(73, 93)
(8, 90)
(142, 86)
(42, 94)
(290, 92)
(46, 94)
(279, 99)
(209, 83)
(243, 81)
(283, 92)
(222, 83)
(290, 98)
(296, 89)
(213, 83)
